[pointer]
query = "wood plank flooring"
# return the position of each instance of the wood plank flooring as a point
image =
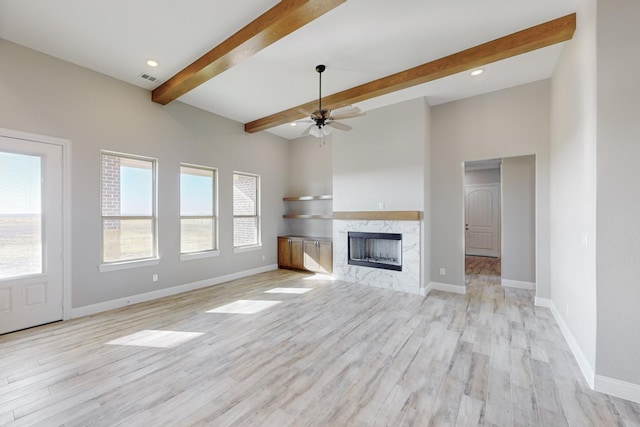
(338, 355)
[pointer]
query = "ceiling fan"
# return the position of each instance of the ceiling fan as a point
(325, 120)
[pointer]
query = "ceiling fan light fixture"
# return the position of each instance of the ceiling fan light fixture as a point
(323, 119)
(315, 131)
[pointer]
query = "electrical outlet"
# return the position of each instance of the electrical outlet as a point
(155, 277)
(380, 205)
(443, 272)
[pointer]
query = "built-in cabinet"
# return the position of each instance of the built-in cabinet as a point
(299, 250)
(318, 256)
(306, 253)
(290, 252)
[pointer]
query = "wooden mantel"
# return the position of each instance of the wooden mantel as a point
(378, 215)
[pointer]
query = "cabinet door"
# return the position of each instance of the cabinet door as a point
(297, 257)
(318, 256)
(310, 255)
(284, 252)
(325, 257)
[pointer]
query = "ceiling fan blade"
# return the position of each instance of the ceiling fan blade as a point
(304, 112)
(347, 115)
(347, 109)
(346, 112)
(339, 125)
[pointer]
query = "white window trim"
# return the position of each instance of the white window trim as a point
(184, 256)
(123, 265)
(240, 249)
(134, 263)
(199, 255)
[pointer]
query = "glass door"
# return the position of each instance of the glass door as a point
(31, 246)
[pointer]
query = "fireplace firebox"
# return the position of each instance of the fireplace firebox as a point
(375, 250)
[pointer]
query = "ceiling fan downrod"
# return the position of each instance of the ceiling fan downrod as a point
(320, 69)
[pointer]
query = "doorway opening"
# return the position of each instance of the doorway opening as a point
(500, 222)
(482, 217)
(34, 253)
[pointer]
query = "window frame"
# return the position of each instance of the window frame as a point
(215, 251)
(154, 259)
(257, 216)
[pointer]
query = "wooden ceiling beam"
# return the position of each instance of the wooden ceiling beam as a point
(539, 36)
(276, 23)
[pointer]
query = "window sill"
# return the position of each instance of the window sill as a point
(247, 249)
(128, 264)
(199, 255)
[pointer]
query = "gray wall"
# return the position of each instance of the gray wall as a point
(43, 95)
(508, 123)
(618, 189)
(573, 196)
(311, 171)
(425, 272)
(382, 159)
(310, 174)
(518, 219)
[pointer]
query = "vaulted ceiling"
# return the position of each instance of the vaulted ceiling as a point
(254, 61)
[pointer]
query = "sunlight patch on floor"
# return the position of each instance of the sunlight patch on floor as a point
(244, 307)
(158, 339)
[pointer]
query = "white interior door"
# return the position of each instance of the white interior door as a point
(31, 241)
(482, 220)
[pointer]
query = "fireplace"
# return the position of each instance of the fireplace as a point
(406, 279)
(375, 250)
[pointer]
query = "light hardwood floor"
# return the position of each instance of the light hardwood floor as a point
(338, 355)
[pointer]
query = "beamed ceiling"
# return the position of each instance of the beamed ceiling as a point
(253, 61)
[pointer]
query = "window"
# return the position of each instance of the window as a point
(129, 220)
(198, 219)
(246, 210)
(20, 214)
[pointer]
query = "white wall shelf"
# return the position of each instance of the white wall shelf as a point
(307, 216)
(306, 198)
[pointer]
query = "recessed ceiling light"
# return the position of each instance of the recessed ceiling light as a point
(152, 63)
(477, 72)
(292, 124)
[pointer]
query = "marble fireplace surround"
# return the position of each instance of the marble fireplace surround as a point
(406, 223)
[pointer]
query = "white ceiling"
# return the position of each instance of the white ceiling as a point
(359, 41)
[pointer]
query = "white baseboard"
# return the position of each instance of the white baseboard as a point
(621, 389)
(542, 302)
(583, 363)
(602, 384)
(160, 293)
(425, 291)
(446, 287)
(530, 286)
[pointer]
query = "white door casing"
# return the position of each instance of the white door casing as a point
(482, 220)
(37, 296)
